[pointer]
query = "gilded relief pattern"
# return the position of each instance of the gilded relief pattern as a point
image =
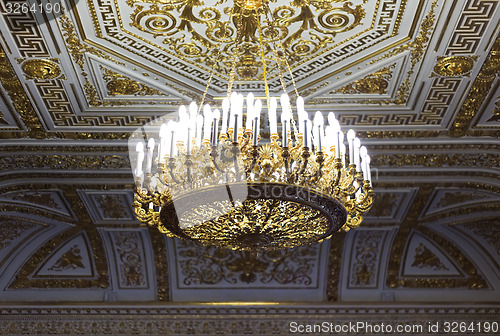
(208, 266)
(489, 231)
(479, 91)
(416, 49)
(318, 23)
(26, 33)
(130, 260)
(365, 260)
(12, 229)
(476, 16)
(41, 68)
(112, 206)
(41, 198)
(118, 84)
(71, 259)
(425, 258)
(375, 83)
(20, 100)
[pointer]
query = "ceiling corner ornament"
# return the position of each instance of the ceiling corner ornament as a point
(206, 178)
(454, 65)
(121, 85)
(374, 83)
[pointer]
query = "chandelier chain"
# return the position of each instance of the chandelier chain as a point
(212, 71)
(267, 11)
(239, 34)
(266, 86)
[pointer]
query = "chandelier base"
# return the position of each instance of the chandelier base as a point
(272, 216)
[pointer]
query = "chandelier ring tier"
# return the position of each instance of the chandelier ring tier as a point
(210, 177)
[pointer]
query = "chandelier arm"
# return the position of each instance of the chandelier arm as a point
(255, 155)
(320, 159)
(213, 156)
(235, 151)
(189, 164)
(286, 156)
(171, 165)
(305, 160)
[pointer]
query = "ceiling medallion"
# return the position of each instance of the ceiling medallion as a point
(213, 179)
(453, 66)
(41, 69)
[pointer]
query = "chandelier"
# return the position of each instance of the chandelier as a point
(211, 177)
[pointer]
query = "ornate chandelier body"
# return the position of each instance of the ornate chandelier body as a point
(211, 178)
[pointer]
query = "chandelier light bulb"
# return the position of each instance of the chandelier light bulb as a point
(350, 140)
(163, 146)
(193, 111)
(285, 101)
(367, 168)
(163, 131)
(149, 158)
(331, 118)
(357, 144)
(199, 129)
(300, 104)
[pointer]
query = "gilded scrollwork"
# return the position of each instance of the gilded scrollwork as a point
(209, 266)
(130, 259)
(425, 258)
(374, 83)
(181, 34)
(366, 258)
(11, 229)
(118, 84)
(71, 259)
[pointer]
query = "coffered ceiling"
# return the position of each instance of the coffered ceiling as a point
(389, 68)
(418, 80)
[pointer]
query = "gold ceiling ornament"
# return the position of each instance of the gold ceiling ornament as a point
(206, 178)
(374, 83)
(41, 69)
(118, 84)
(454, 65)
(201, 31)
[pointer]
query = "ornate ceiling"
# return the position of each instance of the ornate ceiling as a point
(390, 68)
(419, 80)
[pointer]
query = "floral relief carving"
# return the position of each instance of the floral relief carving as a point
(212, 266)
(130, 259)
(366, 258)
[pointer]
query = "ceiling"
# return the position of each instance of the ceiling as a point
(418, 81)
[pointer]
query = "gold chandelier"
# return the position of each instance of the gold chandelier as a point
(211, 178)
